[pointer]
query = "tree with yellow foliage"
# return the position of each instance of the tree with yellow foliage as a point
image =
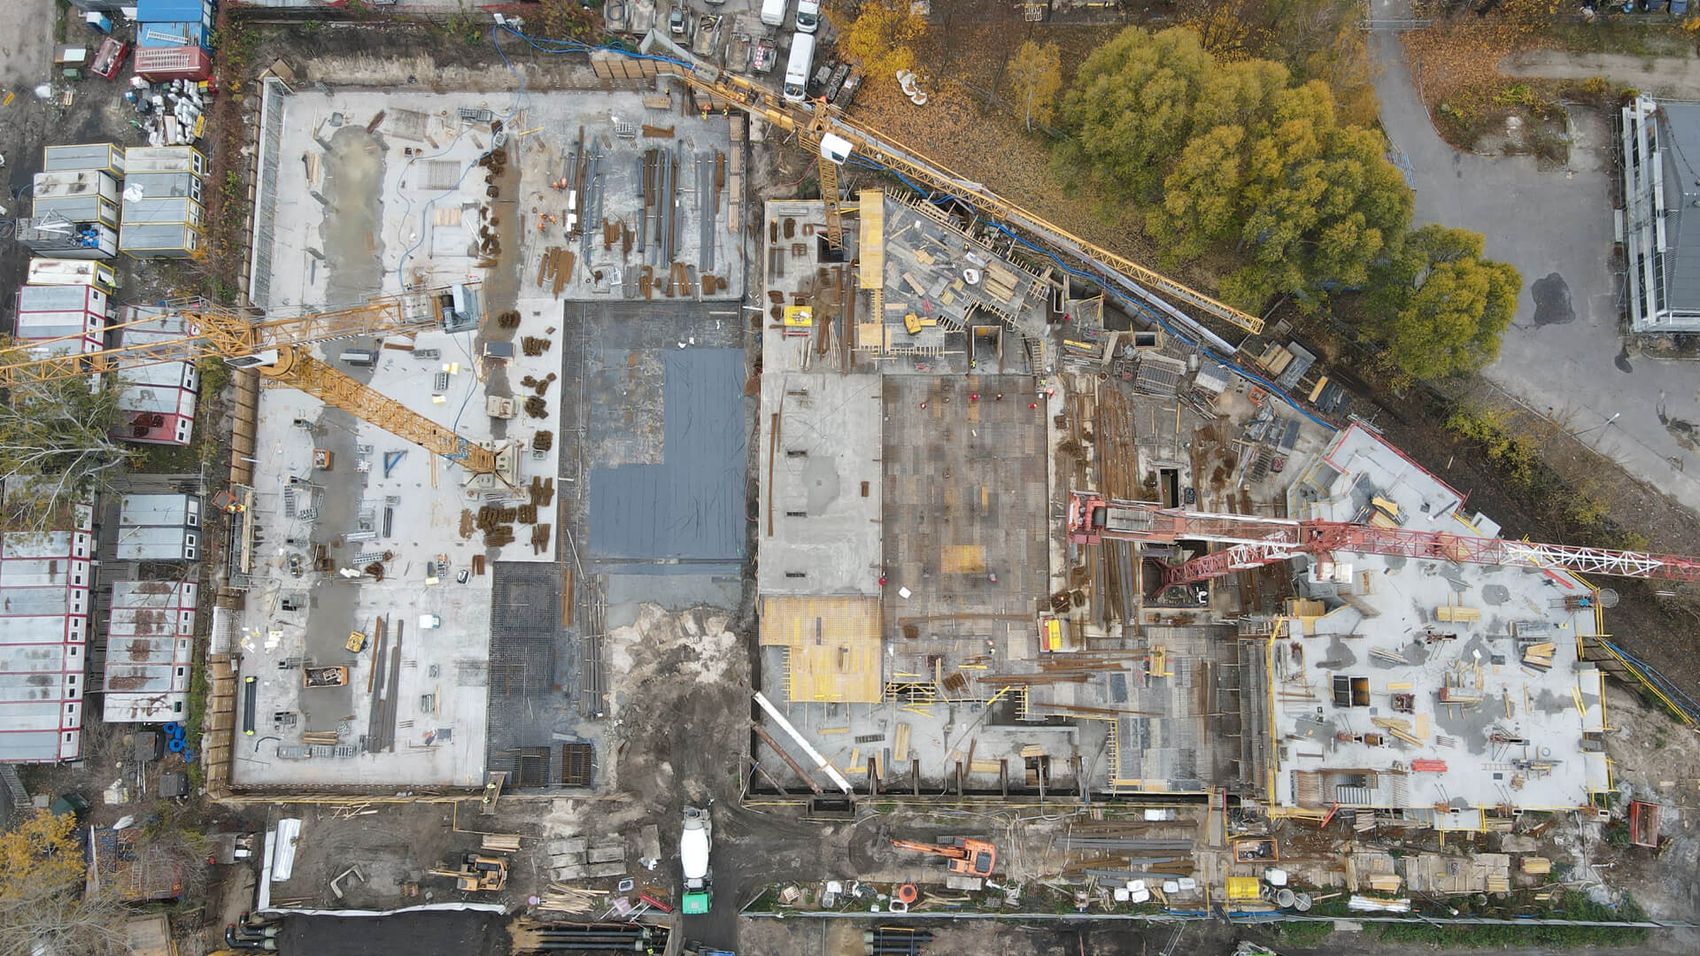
(1035, 74)
(42, 903)
(882, 37)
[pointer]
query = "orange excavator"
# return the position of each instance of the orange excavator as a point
(968, 857)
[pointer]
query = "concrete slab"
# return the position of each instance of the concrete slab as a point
(412, 193)
(1427, 684)
(821, 484)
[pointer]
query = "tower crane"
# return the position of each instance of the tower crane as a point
(819, 126)
(279, 349)
(831, 151)
(1255, 541)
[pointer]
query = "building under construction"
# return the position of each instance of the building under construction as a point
(933, 399)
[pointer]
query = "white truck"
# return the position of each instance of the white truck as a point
(797, 68)
(773, 12)
(694, 843)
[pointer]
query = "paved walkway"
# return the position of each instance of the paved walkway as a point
(1563, 354)
(1677, 77)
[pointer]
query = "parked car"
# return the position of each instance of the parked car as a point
(676, 22)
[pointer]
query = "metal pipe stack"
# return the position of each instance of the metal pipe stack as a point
(897, 940)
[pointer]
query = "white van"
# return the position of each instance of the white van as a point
(808, 15)
(773, 12)
(798, 67)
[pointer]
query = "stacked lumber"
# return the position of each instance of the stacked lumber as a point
(561, 898)
(1398, 727)
(1539, 656)
(500, 843)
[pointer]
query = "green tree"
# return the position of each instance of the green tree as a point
(1035, 76)
(1201, 198)
(1130, 109)
(1308, 204)
(56, 448)
(1440, 307)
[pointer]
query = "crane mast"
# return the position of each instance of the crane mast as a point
(1253, 542)
(279, 350)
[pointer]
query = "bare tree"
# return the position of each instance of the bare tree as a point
(44, 903)
(56, 449)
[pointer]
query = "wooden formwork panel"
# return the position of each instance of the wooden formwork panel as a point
(614, 67)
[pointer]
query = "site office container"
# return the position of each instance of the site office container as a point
(75, 314)
(176, 510)
(85, 195)
(142, 186)
(105, 157)
(157, 403)
(53, 235)
(157, 543)
(165, 159)
(161, 63)
(84, 272)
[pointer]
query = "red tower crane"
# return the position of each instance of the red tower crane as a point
(1255, 541)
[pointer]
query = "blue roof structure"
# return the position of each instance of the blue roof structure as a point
(167, 11)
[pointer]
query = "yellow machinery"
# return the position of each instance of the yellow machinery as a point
(477, 873)
(279, 349)
(825, 130)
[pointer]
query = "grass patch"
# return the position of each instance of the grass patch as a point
(1570, 906)
(1514, 454)
(169, 459)
(1645, 36)
(1304, 934)
(195, 718)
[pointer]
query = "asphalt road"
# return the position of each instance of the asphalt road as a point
(1563, 355)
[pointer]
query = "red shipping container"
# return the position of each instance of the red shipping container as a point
(157, 64)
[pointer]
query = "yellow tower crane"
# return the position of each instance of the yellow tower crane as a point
(818, 124)
(831, 150)
(279, 349)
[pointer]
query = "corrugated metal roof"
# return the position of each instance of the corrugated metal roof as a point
(59, 298)
(35, 601)
(1680, 148)
(154, 543)
(159, 185)
(45, 544)
(156, 235)
(159, 159)
(35, 630)
(151, 11)
(167, 210)
(157, 509)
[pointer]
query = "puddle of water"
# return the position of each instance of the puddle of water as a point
(351, 231)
